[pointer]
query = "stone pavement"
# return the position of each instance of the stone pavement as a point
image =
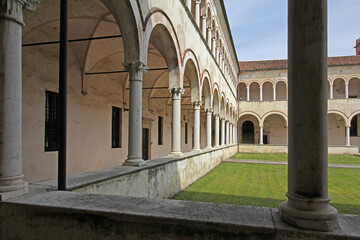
(331, 165)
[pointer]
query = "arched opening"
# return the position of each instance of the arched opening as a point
(281, 91)
(96, 99)
(254, 91)
(267, 91)
(336, 130)
(354, 88)
(339, 88)
(242, 92)
(247, 132)
(247, 139)
(206, 100)
(191, 96)
(275, 130)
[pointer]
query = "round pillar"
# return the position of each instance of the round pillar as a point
(223, 132)
(176, 121)
(208, 128)
(217, 130)
(196, 106)
(308, 201)
(197, 12)
(136, 71)
(11, 23)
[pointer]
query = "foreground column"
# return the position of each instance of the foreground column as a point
(208, 128)
(308, 201)
(176, 122)
(217, 130)
(348, 136)
(223, 132)
(136, 71)
(11, 23)
(196, 106)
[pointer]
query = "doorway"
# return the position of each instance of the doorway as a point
(145, 143)
(247, 132)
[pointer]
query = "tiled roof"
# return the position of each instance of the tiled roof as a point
(283, 64)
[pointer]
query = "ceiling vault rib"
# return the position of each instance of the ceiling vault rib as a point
(72, 40)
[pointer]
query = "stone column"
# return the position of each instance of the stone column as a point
(209, 37)
(248, 93)
(217, 130)
(227, 133)
(208, 128)
(220, 60)
(213, 46)
(261, 93)
(348, 136)
(274, 93)
(223, 132)
(197, 12)
(261, 135)
(188, 4)
(136, 71)
(203, 26)
(346, 90)
(176, 121)
(331, 91)
(11, 23)
(196, 106)
(308, 201)
(217, 53)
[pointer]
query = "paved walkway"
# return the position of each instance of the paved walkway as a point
(331, 165)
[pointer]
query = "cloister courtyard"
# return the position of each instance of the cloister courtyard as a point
(244, 180)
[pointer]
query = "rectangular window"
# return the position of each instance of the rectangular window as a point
(51, 121)
(353, 128)
(186, 133)
(160, 130)
(116, 128)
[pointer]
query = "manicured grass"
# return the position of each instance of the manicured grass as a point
(266, 185)
(339, 159)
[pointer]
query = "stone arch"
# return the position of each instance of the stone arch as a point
(242, 91)
(354, 87)
(216, 100)
(267, 88)
(275, 128)
(127, 16)
(227, 110)
(206, 92)
(222, 105)
(283, 115)
(254, 91)
(337, 121)
(191, 74)
(281, 90)
(248, 123)
(160, 32)
(339, 88)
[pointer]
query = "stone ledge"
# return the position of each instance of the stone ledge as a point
(89, 178)
(78, 215)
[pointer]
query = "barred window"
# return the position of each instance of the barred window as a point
(51, 121)
(116, 128)
(160, 130)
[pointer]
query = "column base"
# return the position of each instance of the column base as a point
(134, 162)
(309, 213)
(13, 187)
(208, 148)
(175, 154)
(196, 150)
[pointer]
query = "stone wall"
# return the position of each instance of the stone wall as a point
(161, 178)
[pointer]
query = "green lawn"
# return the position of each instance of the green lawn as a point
(339, 159)
(266, 185)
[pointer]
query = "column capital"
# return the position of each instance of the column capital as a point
(209, 110)
(197, 1)
(12, 9)
(136, 67)
(203, 16)
(177, 91)
(196, 104)
(217, 115)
